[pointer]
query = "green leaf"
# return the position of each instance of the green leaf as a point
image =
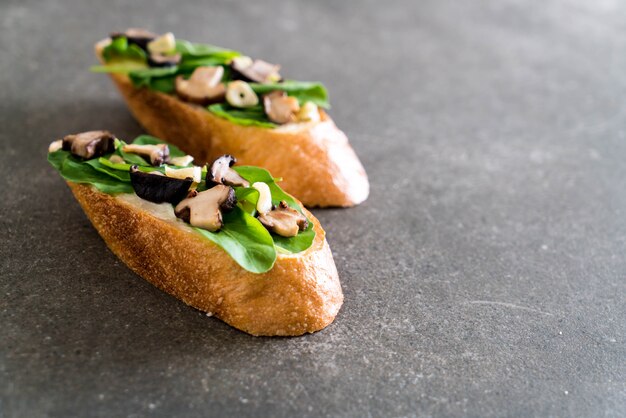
(159, 79)
(252, 116)
(296, 244)
(74, 169)
(189, 49)
(304, 91)
(254, 174)
(246, 240)
(122, 175)
(123, 67)
(120, 49)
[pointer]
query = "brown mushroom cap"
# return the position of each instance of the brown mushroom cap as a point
(280, 108)
(89, 144)
(204, 209)
(284, 221)
(221, 172)
(203, 87)
(157, 153)
(257, 71)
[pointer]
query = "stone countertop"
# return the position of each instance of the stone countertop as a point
(485, 276)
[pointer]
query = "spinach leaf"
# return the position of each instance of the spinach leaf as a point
(122, 175)
(120, 49)
(252, 116)
(304, 91)
(296, 244)
(123, 67)
(189, 49)
(159, 79)
(245, 239)
(75, 170)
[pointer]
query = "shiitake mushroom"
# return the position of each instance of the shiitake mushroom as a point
(158, 188)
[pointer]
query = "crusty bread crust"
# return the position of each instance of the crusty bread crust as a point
(300, 294)
(317, 164)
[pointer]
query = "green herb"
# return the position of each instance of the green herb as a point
(304, 91)
(245, 239)
(120, 49)
(190, 49)
(296, 244)
(252, 116)
(75, 170)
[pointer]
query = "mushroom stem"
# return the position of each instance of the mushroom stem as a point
(157, 153)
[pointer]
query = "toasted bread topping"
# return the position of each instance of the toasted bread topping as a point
(284, 221)
(221, 172)
(89, 144)
(204, 209)
(280, 108)
(156, 154)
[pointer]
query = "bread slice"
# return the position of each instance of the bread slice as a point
(300, 294)
(317, 164)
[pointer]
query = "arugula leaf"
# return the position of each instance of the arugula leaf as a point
(245, 239)
(251, 116)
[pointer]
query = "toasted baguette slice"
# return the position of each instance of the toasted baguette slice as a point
(300, 294)
(317, 164)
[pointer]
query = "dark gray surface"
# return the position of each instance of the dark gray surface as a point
(485, 276)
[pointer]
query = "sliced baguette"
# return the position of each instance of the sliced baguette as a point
(317, 164)
(300, 294)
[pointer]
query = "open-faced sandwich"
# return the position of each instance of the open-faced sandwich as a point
(211, 101)
(224, 239)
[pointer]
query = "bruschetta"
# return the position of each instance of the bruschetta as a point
(211, 101)
(223, 238)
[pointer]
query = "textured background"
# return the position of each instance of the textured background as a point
(485, 276)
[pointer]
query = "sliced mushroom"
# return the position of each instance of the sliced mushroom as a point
(284, 221)
(160, 60)
(204, 209)
(240, 94)
(264, 204)
(258, 71)
(221, 172)
(158, 153)
(139, 37)
(89, 144)
(158, 188)
(203, 87)
(280, 108)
